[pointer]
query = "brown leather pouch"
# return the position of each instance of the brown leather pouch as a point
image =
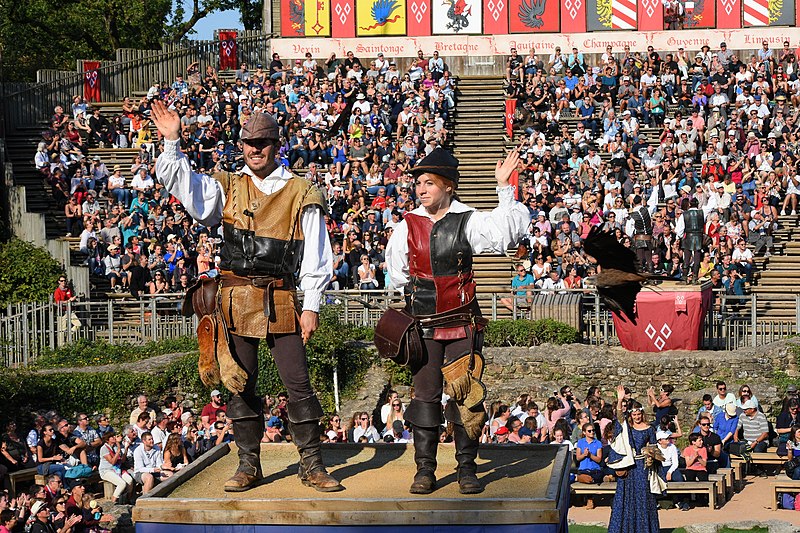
(398, 337)
(201, 298)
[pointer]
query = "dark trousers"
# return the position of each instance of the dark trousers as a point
(694, 257)
(644, 255)
(695, 475)
(428, 379)
(290, 358)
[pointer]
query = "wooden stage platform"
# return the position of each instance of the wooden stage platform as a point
(527, 491)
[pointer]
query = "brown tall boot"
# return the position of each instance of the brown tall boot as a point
(425, 419)
(247, 434)
(304, 426)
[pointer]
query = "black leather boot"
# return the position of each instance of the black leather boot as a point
(304, 426)
(248, 429)
(425, 419)
(466, 452)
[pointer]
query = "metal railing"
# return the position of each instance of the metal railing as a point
(26, 330)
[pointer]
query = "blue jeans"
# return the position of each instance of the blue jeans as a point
(676, 475)
(52, 468)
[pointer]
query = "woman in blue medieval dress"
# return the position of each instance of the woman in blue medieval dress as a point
(634, 509)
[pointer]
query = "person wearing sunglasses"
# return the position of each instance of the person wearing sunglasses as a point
(364, 430)
(716, 458)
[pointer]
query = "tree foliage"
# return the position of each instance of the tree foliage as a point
(27, 273)
(36, 34)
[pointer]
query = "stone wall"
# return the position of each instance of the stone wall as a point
(542, 369)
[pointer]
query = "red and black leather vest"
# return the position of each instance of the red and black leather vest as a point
(440, 263)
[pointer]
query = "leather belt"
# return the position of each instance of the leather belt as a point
(458, 317)
(267, 283)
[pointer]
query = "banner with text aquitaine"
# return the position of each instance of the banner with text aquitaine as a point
(228, 48)
(530, 16)
(380, 17)
(457, 17)
(91, 81)
(700, 14)
(605, 15)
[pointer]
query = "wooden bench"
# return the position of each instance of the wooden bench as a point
(709, 488)
(782, 484)
(20, 476)
(730, 480)
(767, 458)
(722, 485)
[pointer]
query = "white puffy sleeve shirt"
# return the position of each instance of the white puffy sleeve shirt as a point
(491, 231)
(204, 199)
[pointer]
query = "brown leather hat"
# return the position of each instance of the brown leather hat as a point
(260, 126)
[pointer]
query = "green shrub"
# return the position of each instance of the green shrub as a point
(23, 391)
(29, 273)
(94, 353)
(399, 375)
(529, 333)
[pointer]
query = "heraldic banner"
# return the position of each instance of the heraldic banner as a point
(525, 16)
(666, 319)
(227, 50)
(457, 16)
(91, 81)
(306, 19)
(603, 15)
(380, 17)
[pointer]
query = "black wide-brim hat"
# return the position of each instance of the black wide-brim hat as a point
(440, 162)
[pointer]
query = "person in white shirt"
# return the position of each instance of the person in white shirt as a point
(365, 430)
(147, 461)
(454, 233)
(669, 466)
(280, 208)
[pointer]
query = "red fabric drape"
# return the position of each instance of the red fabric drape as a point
(666, 320)
(227, 50)
(511, 106)
(91, 81)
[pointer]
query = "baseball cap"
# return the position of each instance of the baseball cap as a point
(663, 435)
(730, 408)
(502, 431)
(749, 404)
(215, 392)
(791, 388)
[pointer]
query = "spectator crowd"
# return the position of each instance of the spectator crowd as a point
(159, 439)
(139, 237)
(660, 129)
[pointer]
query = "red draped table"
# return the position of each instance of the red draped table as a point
(670, 316)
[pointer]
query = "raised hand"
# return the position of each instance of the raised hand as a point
(505, 168)
(168, 122)
(620, 392)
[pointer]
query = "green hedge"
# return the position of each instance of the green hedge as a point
(95, 353)
(529, 333)
(28, 274)
(24, 391)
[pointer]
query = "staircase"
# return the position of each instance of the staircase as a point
(479, 141)
(776, 282)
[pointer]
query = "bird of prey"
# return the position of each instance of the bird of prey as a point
(618, 281)
(343, 117)
(530, 14)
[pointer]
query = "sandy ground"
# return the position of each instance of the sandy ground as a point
(751, 503)
(385, 471)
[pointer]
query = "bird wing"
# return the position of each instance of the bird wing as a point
(537, 7)
(608, 251)
(340, 120)
(525, 13)
(620, 299)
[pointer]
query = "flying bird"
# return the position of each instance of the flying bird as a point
(381, 11)
(618, 281)
(530, 13)
(343, 116)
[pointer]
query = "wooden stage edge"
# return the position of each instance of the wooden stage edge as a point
(527, 489)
